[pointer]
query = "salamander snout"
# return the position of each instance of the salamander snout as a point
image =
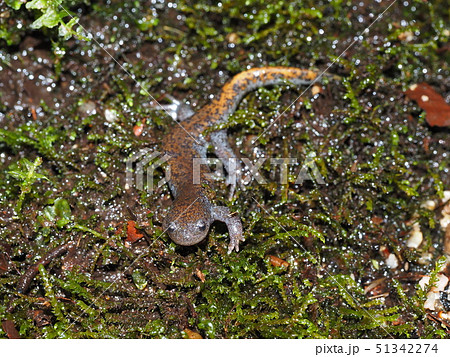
(187, 233)
(187, 225)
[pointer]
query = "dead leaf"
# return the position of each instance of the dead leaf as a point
(10, 329)
(277, 262)
(192, 335)
(438, 111)
(200, 275)
(4, 262)
(132, 234)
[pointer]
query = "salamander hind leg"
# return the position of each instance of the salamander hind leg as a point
(223, 214)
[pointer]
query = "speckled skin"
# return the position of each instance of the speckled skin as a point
(192, 213)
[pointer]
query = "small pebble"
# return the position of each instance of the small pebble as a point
(425, 258)
(433, 296)
(415, 238)
(438, 286)
(110, 115)
(444, 221)
(429, 204)
(430, 303)
(392, 261)
(446, 197)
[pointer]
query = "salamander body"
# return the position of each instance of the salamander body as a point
(192, 212)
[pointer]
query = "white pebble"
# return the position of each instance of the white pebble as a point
(88, 108)
(438, 286)
(434, 294)
(446, 196)
(441, 283)
(444, 221)
(415, 239)
(392, 261)
(425, 258)
(110, 115)
(431, 301)
(429, 204)
(424, 281)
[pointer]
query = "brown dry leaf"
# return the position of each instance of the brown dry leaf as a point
(438, 111)
(40, 318)
(277, 262)
(316, 90)
(192, 335)
(377, 220)
(10, 329)
(4, 262)
(200, 275)
(132, 234)
(138, 129)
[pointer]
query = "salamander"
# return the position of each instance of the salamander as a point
(191, 214)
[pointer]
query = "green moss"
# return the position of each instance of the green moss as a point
(26, 174)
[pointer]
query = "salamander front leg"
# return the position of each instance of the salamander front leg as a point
(178, 110)
(223, 214)
(232, 164)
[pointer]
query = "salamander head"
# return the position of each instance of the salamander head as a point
(187, 222)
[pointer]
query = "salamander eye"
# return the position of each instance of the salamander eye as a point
(172, 228)
(201, 225)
